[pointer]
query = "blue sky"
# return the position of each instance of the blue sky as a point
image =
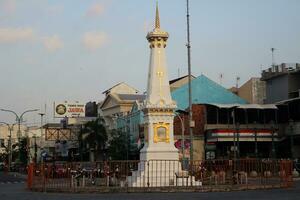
(75, 49)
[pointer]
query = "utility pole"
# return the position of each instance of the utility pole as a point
(42, 121)
(255, 139)
(191, 123)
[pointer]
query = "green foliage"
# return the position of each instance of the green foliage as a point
(94, 134)
(23, 151)
(118, 146)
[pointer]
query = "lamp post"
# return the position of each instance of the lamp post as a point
(272, 132)
(255, 139)
(10, 128)
(238, 139)
(291, 137)
(19, 120)
(234, 142)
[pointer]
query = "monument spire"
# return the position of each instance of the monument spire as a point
(158, 89)
(157, 22)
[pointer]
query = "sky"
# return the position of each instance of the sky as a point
(56, 50)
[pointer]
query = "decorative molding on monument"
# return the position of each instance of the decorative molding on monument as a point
(157, 41)
(164, 137)
(158, 110)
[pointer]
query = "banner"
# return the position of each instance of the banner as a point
(69, 109)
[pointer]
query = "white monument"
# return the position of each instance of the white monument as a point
(158, 107)
(159, 159)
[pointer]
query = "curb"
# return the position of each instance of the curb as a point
(19, 175)
(153, 190)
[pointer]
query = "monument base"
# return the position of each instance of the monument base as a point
(161, 173)
(160, 168)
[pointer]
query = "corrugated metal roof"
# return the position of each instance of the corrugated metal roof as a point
(246, 106)
(288, 101)
(205, 91)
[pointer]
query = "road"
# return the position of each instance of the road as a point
(17, 191)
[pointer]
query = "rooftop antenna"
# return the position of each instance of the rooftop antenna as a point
(221, 78)
(273, 61)
(237, 82)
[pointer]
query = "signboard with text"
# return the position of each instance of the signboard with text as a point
(69, 109)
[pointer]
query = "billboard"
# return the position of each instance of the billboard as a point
(69, 109)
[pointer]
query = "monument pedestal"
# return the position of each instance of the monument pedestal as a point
(161, 173)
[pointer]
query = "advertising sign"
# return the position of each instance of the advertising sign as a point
(69, 109)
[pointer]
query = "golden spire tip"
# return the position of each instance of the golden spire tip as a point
(157, 22)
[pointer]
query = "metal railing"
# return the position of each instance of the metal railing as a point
(150, 175)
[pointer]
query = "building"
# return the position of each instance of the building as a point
(241, 130)
(7, 132)
(282, 82)
(204, 90)
(178, 82)
(289, 121)
(253, 91)
(118, 102)
(91, 109)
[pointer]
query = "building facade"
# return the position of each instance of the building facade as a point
(118, 102)
(253, 91)
(282, 82)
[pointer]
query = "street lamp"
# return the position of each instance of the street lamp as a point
(273, 145)
(291, 137)
(255, 139)
(238, 139)
(10, 128)
(19, 120)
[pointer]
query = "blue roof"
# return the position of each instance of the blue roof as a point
(205, 91)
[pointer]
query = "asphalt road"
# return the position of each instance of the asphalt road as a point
(17, 191)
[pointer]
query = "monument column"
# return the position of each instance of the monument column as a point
(158, 107)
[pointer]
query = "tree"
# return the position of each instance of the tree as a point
(118, 147)
(95, 136)
(23, 151)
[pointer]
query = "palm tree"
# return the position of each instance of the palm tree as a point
(95, 137)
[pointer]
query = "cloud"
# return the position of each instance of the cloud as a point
(55, 10)
(94, 40)
(8, 6)
(95, 10)
(12, 35)
(53, 43)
